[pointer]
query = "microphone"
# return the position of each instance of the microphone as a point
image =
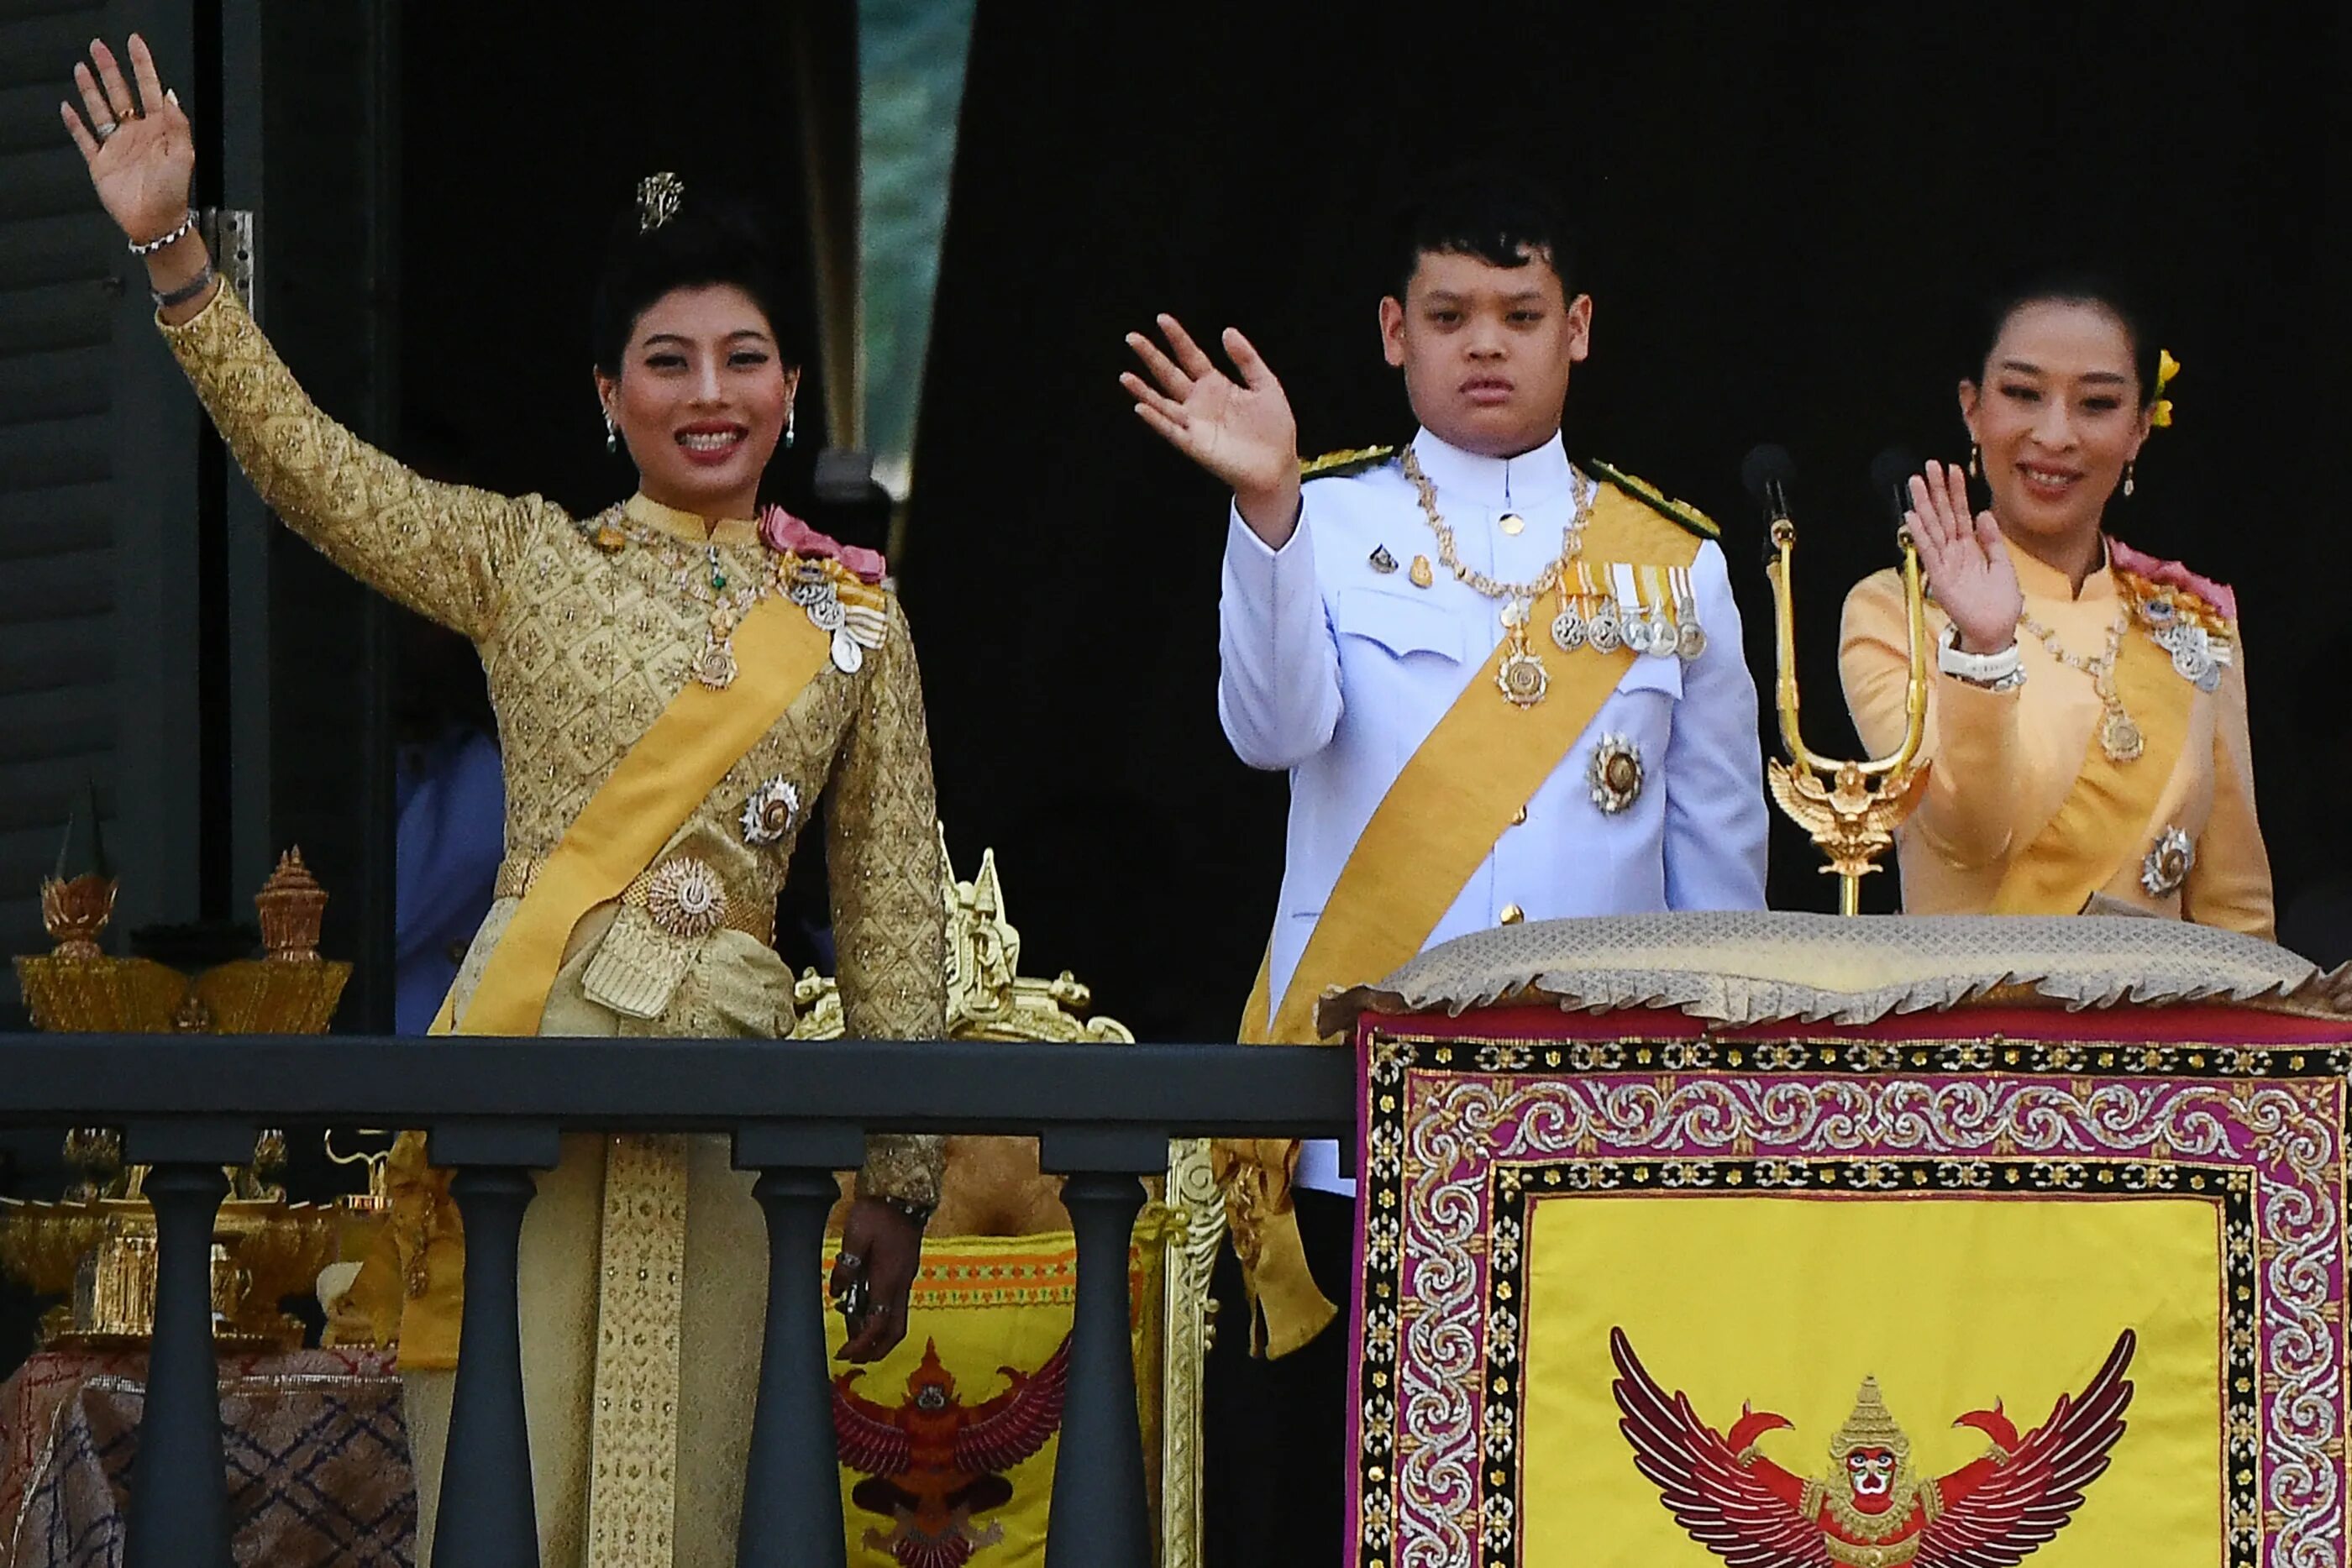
(1890, 479)
(1769, 473)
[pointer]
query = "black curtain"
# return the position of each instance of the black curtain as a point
(1789, 217)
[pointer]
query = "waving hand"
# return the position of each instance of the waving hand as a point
(1241, 431)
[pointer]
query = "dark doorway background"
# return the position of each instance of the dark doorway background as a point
(1789, 213)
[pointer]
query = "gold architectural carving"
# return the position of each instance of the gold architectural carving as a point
(100, 1253)
(989, 999)
(97, 1247)
(78, 989)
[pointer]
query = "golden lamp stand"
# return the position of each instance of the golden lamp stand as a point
(1849, 809)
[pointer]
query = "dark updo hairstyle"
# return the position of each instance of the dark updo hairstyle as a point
(713, 237)
(2089, 289)
(1492, 210)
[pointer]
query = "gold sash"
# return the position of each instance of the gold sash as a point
(2104, 820)
(672, 769)
(1458, 792)
(668, 772)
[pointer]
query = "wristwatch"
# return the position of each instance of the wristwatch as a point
(2001, 671)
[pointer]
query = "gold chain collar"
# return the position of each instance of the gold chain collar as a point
(1571, 539)
(2119, 733)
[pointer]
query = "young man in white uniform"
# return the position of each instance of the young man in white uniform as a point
(1477, 586)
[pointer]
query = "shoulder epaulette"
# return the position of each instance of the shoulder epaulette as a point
(1680, 513)
(1339, 465)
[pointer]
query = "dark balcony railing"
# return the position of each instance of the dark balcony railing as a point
(796, 1111)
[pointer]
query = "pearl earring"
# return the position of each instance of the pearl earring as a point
(788, 427)
(1972, 460)
(2128, 467)
(611, 433)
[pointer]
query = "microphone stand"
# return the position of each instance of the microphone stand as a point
(1850, 809)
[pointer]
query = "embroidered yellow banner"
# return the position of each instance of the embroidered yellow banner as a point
(2106, 818)
(674, 765)
(1441, 817)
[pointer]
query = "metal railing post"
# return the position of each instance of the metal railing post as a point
(487, 1517)
(792, 1480)
(178, 1516)
(1102, 1513)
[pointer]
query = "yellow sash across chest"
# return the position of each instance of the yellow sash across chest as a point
(1457, 794)
(2105, 819)
(668, 772)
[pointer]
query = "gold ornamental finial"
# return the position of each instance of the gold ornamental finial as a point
(1872, 1426)
(292, 906)
(658, 196)
(75, 910)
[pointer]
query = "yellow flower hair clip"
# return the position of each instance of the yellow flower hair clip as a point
(2159, 412)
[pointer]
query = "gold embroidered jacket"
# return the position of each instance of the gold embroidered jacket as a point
(584, 645)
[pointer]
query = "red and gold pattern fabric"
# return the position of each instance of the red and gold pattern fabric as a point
(1946, 1292)
(315, 1456)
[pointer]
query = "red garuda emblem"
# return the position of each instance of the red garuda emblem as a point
(1871, 1511)
(932, 1463)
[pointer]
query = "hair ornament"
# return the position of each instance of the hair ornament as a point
(2159, 410)
(658, 196)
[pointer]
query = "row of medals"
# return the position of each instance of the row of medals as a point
(805, 583)
(2197, 657)
(1605, 627)
(2196, 654)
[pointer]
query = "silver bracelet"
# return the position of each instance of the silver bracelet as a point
(187, 226)
(1998, 672)
(920, 1213)
(164, 299)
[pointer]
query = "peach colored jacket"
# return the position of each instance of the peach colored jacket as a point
(2000, 763)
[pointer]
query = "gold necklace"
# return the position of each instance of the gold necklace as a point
(1520, 674)
(706, 583)
(2119, 735)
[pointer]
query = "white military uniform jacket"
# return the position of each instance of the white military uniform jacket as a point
(1337, 670)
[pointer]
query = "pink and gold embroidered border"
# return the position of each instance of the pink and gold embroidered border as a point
(1448, 1121)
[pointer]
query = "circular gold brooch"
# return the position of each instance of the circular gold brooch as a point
(1614, 774)
(769, 812)
(2169, 861)
(685, 898)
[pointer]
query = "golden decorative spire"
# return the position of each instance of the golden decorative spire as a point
(292, 907)
(74, 911)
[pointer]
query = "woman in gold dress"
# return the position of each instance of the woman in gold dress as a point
(2086, 728)
(677, 681)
